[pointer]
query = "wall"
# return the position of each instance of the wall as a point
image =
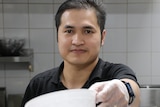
(133, 34)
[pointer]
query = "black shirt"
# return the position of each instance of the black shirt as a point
(49, 81)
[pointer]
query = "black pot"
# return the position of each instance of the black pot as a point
(11, 47)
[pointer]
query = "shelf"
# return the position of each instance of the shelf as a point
(27, 58)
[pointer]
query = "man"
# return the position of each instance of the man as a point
(81, 33)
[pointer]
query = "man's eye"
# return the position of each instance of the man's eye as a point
(88, 31)
(68, 31)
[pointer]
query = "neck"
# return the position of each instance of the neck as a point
(76, 76)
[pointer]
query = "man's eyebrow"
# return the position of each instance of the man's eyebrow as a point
(84, 27)
(88, 27)
(68, 26)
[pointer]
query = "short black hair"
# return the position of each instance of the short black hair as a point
(82, 4)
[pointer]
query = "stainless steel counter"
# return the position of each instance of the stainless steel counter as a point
(150, 96)
(2, 97)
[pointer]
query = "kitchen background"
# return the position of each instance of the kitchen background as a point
(133, 38)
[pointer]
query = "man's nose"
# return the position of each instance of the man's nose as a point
(78, 39)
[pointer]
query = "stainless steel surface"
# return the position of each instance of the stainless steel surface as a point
(150, 96)
(149, 86)
(2, 97)
(26, 58)
(15, 59)
(14, 100)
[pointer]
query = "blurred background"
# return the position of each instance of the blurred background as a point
(133, 38)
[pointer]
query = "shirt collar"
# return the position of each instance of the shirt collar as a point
(96, 73)
(57, 73)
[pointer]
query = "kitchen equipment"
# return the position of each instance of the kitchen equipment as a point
(65, 98)
(2, 97)
(150, 96)
(14, 100)
(11, 47)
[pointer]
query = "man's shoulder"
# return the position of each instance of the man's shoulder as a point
(107, 64)
(46, 74)
(111, 67)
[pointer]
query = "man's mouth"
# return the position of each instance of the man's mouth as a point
(78, 50)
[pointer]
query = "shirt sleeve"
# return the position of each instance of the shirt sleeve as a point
(29, 93)
(124, 71)
(120, 71)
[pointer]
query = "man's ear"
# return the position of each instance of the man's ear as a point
(103, 37)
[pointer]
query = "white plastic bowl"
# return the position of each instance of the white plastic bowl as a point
(65, 98)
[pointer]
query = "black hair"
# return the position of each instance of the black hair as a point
(82, 4)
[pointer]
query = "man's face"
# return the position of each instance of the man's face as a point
(79, 36)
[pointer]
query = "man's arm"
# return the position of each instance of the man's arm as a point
(136, 90)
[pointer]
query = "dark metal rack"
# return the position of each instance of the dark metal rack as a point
(27, 58)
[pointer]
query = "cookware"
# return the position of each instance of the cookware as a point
(11, 47)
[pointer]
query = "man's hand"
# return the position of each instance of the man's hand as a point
(111, 93)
